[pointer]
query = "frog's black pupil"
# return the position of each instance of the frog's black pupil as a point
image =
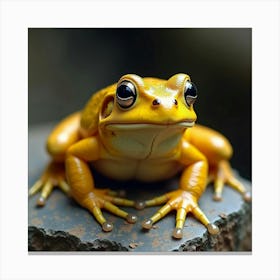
(191, 89)
(125, 91)
(126, 94)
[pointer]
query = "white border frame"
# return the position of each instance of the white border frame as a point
(17, 16)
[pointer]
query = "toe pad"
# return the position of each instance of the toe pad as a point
(106, 226)
(177, 233)
(132, 219)
(139, 205)
(212, 229)
(147, 224)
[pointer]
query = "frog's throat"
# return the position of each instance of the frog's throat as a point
(145, 140)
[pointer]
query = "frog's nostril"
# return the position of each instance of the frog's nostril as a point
(156, 102)
(175, 102)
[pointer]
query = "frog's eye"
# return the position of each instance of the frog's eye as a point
(190, 93)
(126, 94)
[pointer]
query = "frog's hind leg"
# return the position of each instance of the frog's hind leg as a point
(61, 138)
(218, 151)
(222, 174)
(53, 176)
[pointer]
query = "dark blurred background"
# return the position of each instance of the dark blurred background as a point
(65, 66)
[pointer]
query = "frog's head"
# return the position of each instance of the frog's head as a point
(147, 112)
(136, 100)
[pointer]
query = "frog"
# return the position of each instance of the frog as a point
(139, 128)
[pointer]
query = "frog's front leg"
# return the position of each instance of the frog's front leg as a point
(82, 186)
(184, 200)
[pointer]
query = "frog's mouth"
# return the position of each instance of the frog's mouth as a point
(145, 140)
(131, 126)
(144, 125)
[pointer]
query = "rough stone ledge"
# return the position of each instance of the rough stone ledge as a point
(50, 240)
(235, 235)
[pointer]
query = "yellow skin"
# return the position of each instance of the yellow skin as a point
(143, 137)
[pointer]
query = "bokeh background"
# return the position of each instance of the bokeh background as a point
(65, 66)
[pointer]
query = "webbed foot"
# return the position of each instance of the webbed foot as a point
(222, 174)
(99, 199)
(53, 176)
(183, 202)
